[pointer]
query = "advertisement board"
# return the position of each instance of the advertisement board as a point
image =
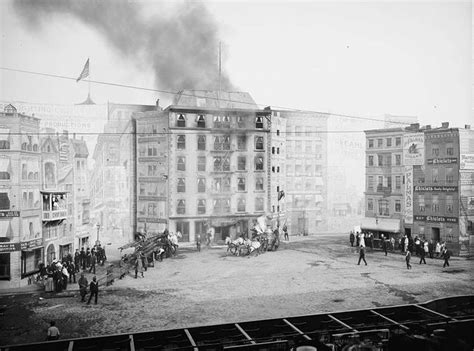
(466, 161)
(408, 211)
(414, 149)
(9, 247)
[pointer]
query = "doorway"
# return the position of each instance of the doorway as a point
(435, 234)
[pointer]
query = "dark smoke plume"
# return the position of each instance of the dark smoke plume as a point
(181, 46)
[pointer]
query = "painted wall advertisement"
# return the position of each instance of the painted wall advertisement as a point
(470, 203)
(414, 149)
(409, 194)
(466, 162)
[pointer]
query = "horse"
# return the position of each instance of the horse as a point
(251, 246)
(233, 245)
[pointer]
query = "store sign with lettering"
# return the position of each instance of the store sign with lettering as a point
(9, 214)
(436, 219)
(408, 194)
(466, 161)
(437, 189)
(442, 161)
(466, 178)
(31, 244)
(9, 247)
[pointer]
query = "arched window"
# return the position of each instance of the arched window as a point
(259, 143)
(181, 185)
(201, 142)
(201, 207)
(23, 146)
(226, 164)
(181, 145)
(201, 185)
(258, 122)
(226, 122)
(35, 147)
(181, 208)
(181, 121)
(226, 142)
(181, 163)
(201, 121)
(217, 143)
(241, 184)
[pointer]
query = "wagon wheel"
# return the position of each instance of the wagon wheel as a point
(233, 249)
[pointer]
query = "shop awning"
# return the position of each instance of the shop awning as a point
(4, 133)
(380, 224)
(6, 229)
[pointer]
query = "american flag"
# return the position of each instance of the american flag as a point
(85, 72)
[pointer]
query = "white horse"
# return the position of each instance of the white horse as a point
(252, 245)
(233, 245)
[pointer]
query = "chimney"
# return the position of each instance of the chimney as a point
(415, 126)
(467, 126)
(445, 125)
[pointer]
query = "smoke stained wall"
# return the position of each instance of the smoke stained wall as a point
(180, 45)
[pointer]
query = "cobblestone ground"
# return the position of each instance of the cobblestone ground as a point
(307, 275)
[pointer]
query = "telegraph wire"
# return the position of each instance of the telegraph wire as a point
(286, 109)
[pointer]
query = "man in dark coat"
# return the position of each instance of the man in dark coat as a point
(71, 268)
(88, 257)
(431, 248)
(352, 238)
(77, 260)
(83, 283)
(362, 255)
(83, 259)
(446, 255)
(94, 287)
(422, 253)
(93, 262)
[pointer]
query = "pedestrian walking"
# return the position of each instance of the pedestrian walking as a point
(94, 287)
(351, 238)
(198, 242)
(447, 256)
(77, 260)
(71, 268)
(407, 259)
(83, 283)
(437, 249)
(93, 261)
(430, 248)
(362, 255)
(83, 259)
(384, 245)
(209, 236)
(138, 267)
(53, 331)
(357, 239)
(88, 258)
(422, 255)
(144, 261)
(285, 233)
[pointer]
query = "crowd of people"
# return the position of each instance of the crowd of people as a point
(59, 273)
(406, 244)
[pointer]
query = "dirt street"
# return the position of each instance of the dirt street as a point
(308, 275)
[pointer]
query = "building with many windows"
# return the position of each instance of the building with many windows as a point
(384, 181)
(151, 171)
(21, 240)
(420, 182)
(305, 173)
(207, 167)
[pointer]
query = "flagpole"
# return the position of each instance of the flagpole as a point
(89, 92)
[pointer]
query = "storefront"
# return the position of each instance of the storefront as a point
(389, 227)
(65, 250)
(31, 256)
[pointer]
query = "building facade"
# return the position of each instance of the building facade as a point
(306, 158)
(21, 241)
(151, 171)
(419, 182)
(384, 181)
(219, 164)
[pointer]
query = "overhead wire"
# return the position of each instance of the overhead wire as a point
(285, 109)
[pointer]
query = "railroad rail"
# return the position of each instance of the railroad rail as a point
(445, 323)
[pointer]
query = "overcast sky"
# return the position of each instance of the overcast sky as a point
(363, 58)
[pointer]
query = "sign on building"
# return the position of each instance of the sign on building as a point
(470, 203)
(466, 161)
(414, 149)
(409, 194)
(9, 247)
